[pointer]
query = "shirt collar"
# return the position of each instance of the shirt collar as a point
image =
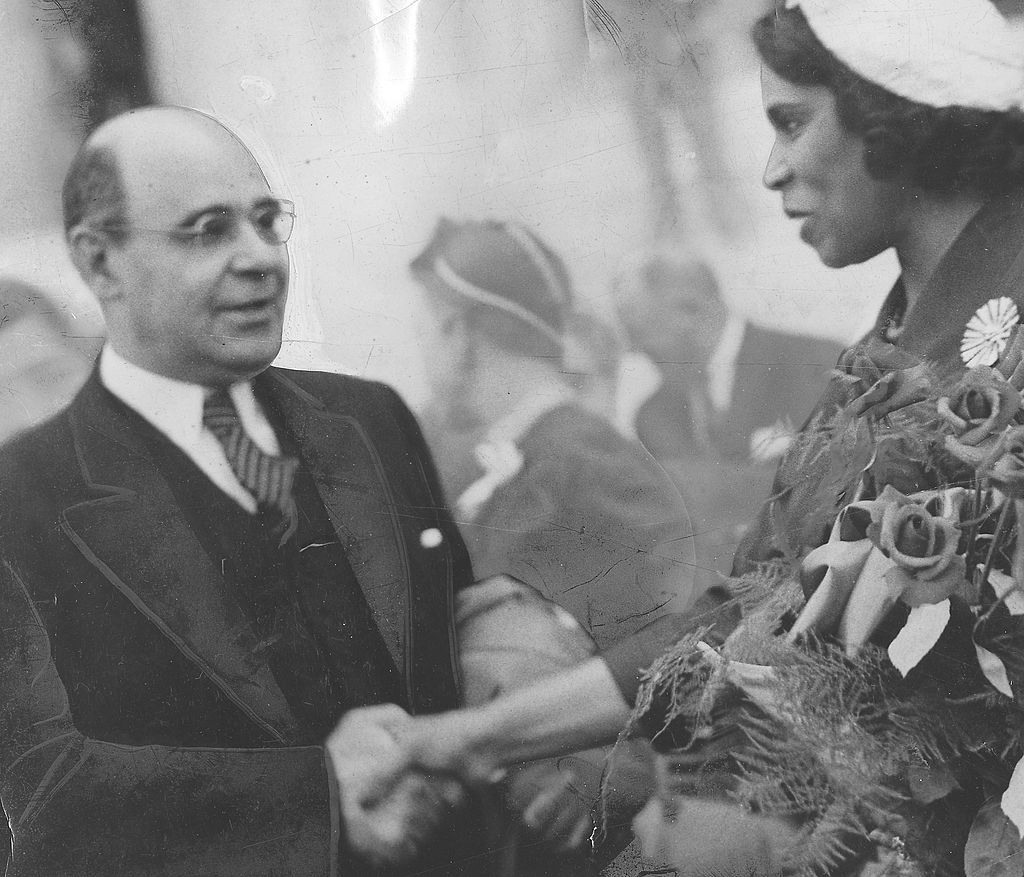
(722, 362)
(172, 406)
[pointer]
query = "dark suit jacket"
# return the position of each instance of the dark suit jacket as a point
(140, 730)
(778, 377)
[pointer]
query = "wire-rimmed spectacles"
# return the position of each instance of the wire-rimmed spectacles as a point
(273, 219)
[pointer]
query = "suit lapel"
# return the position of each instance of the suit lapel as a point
(355, 491)
(133, 532)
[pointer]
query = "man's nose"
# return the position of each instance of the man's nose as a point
(777, 171)
(254, 253)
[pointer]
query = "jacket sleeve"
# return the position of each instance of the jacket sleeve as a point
(87, 807)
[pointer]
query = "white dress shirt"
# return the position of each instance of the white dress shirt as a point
(175, 408)
(722, 363)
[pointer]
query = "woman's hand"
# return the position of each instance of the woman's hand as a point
(554, 801)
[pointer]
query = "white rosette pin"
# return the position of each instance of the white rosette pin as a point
(988, 332)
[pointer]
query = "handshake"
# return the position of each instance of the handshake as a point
(403, 779)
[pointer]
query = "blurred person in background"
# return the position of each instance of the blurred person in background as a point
(593, 350)
(42, 362)
(729, 396)
(552, 479)
(77, 64)
(42, 365)
(551, 493)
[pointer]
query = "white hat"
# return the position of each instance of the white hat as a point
(936, 52)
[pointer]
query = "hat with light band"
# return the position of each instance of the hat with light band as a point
(939, 53)
(501, 265)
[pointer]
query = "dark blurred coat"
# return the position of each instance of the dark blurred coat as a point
(590, 521)
(778, 376)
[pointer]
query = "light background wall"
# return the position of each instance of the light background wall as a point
(377, 116)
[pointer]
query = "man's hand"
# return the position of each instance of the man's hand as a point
(389, 810)
(455, 744)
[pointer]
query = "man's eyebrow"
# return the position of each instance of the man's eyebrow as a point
(190, 218)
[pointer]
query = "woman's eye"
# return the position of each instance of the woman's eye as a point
(789, 127)
(786, 121)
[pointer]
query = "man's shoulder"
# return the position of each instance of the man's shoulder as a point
(339, 392)
(375, 407)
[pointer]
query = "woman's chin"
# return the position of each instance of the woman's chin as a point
(838, 253)
(836, 257)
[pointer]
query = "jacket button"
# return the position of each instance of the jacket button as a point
(431, 538)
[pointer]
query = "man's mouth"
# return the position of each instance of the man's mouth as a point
(258, 305)
(256, 308)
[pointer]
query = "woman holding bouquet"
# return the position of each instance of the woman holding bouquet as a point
(898, 125)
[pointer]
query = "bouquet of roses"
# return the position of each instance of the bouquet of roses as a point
(882, 672)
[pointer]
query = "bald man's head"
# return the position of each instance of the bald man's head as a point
(173, 225)
(94, 189)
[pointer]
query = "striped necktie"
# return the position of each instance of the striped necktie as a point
(267, 477)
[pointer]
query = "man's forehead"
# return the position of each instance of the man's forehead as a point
(170, 169)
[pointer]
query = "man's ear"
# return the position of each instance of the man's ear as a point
(90, 252)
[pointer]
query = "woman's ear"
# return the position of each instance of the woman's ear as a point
(91, 253)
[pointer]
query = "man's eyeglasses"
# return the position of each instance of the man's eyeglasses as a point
(273, 220)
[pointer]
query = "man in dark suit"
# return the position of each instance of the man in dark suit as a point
(221, 584)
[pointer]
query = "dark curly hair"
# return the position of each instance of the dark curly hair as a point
(947, 149)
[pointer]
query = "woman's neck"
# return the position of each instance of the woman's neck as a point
(934, 223)
(502, 382)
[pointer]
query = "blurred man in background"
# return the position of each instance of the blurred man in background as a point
(728, 399)
(43, 361)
